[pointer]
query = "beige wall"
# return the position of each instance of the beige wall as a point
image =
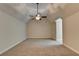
(12, 31)
(41, 29)
(71, 31)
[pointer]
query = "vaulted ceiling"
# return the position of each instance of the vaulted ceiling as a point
(22, 11)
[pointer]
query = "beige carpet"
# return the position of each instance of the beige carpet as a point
(26, 48)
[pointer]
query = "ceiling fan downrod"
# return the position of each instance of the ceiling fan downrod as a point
(37, 7)
(38, 16)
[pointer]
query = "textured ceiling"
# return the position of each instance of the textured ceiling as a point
(22, 11)
(31, 7)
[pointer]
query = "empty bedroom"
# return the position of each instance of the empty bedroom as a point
(39, 29)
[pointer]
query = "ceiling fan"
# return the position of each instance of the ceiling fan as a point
(38, 15)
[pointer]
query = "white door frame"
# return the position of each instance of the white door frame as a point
(59, 31)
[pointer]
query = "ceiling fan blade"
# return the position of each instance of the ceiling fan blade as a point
(44, 16)
(31, 15)
(32, 18)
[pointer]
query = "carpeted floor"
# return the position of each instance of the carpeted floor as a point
(27, 48)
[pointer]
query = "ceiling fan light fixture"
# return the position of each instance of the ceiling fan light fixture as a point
(38, 17)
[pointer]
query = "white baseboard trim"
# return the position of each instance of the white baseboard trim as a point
(11, 46)
(71, 48)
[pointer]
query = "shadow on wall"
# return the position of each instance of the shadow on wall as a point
(41, 29)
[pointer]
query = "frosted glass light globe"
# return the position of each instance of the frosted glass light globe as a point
(38, 17)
